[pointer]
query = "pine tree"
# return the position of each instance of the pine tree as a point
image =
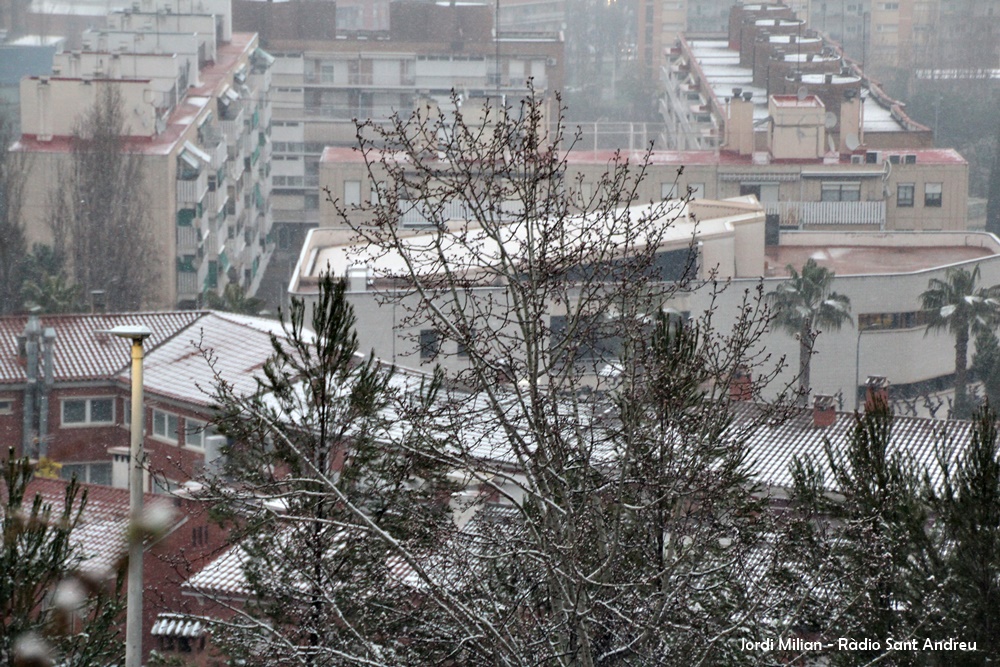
(863, 550)
(327, 494)
(48, 606)
(967, 505)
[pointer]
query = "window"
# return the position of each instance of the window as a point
(835, 191)
(88, 411)
(89, 473)
(932, 195)
(6, 407)
(194, 433)
(906, 320)
(697, 190)
(904, 195)
(463, 349)
(352, 193)
(666, 190)
(165, 425)
(430, 343)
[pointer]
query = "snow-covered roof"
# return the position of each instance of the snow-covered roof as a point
(100, 535)
(237, 344)
(80, 353)
(177, 625)
(774, 444)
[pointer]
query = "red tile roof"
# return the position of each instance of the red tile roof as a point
(100, 536)
(773, 445)
(238, 345)
(81, 354)
(936, 156)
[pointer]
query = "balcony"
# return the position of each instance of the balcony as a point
(211, 203)
(235, 169)
(190, 193)
(248, 142)
(187, 284)
(187, 240)
(219, 155)
(842, 213)
(233, 128)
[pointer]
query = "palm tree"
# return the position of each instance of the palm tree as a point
(803, 305)
(958, 305)
(235, 300)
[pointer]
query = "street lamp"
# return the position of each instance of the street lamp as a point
(133, 614)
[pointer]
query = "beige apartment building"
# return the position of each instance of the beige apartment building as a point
(791, 169)
(886, 37)
(197, 100)
(765, 56)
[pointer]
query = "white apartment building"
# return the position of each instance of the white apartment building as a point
(198, 100)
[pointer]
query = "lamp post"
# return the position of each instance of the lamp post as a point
(133, 613)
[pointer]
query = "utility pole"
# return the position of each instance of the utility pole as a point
(133, 611)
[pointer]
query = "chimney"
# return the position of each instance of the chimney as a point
(824, 410)
(32, 335)
(739, 126)
(741, 385)
(850, 122)
(98, 302)
(876, 392)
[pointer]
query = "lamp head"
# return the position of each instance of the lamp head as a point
(131, 332)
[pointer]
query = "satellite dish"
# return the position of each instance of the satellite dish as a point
(852, 142)
(830, 120)
(802, 93)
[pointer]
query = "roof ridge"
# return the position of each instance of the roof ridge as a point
(199, 314)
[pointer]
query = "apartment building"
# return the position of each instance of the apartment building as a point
(325, 78)
(764, 56)
(197, 97)
(799, 172)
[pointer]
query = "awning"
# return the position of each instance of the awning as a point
(756, 178)
(197, 152)
(845, 173)
(190, 160)
(177, 625)
(262, 58)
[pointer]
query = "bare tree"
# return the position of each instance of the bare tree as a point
(98, 216)
(13, 246)
(615, 521)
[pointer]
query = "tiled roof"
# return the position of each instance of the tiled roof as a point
(177, 625)
(174, 366)
(81, 354)
(773, 445)
(100, 534)
(223, 577)
(237, 344)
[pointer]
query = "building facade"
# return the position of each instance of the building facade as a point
(326, 78)
(198, 105)
(65, 389)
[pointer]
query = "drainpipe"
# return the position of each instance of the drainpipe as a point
(31, 331)
(48, 342)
